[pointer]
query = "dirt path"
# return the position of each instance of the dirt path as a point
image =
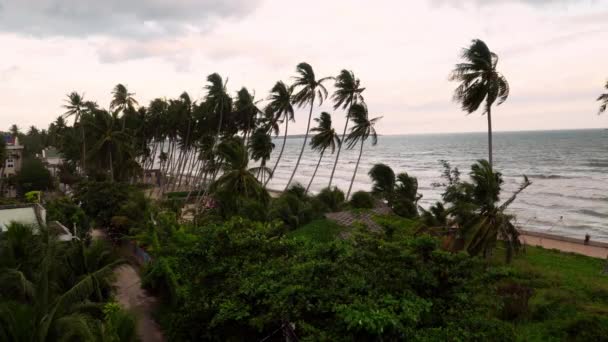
(135, 299)
(564, 244)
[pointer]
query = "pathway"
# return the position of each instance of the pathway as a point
(132, 297)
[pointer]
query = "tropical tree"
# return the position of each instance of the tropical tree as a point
(246, 111)
(260, 148)
(325, 137)
(363, 128)
(480, 83)
(281, 106)
(310, 89)
(603, 100)
(383, 181)
(217, 100)
(348, 92)
(75, 106)
(3, 157)
(400, 191)
(474, 208)
(238, 181)
(14, 130)
(110, 140)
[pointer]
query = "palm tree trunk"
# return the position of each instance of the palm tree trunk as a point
(356, 168)
(280, 153)
(315, 173)
(303, 146)
(331, 178)
(84, 149)
(490, 135)
(111, 166)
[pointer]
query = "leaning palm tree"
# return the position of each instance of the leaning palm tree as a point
(310, 89)
(480, 83)
(281, 106)
(326, 137)
(603, 100)
(360, 132)
(260, 147)
(122, 101)
(75, 106)
(246, 111)
(348, 92)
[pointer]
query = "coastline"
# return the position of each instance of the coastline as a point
(564, 244)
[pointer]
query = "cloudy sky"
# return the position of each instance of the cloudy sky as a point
(554, 54)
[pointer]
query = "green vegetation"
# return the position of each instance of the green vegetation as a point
(54, 290)
(603, 99)
(230, 262)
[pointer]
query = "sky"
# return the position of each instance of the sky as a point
(554, 53)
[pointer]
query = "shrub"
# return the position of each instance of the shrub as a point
(362, 200)
(33, 176)
(64, 210)
(292, 210)
(101, 200)
(333, 198)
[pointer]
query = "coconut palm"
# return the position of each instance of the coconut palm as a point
(281, 105)
(238, 180)
(246, 112)
(111, 141)
(309, 90)
(122, 99)
(14, 130)
(217, 100)
(480, 83)
(75, 106)
(383, 181)
(260, 148)
(348, 92)
(363, 128)
(489, 222)
(325, 137)
(3, 157)
(603, 100)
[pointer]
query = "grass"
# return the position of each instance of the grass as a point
(321, 231)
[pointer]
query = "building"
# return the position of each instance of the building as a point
(12, 165)
(31, 214)
(52, 159)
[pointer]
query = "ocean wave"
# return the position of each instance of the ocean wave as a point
(592, 213)
(597, 164)
(541, 176)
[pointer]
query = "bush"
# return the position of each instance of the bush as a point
(333, 198)
(294, 211)
(101, 200)
(362, 200)
(64, 210)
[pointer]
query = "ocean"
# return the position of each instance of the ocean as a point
(568, 170)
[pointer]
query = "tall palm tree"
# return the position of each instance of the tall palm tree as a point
(348, 92)
(246, 111)
(363, 128)
(325, 137)
(75, 106)
(310, 89)
(122, 101)
(111, 140)
(281, 105)
(260, 148)
(218, 100)
(480, 83)
(603, 100)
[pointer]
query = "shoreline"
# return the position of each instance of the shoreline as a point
(594, 249)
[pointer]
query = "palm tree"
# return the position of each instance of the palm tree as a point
(360, 132)
(311, 88)
(218, 100)
(14, 130)
(383, 181)
(479, 82)
(348, 92)
(488, 222)
(260, 147)
(246, 111)
(238, 181)
(3, 157)
(122, 101)
(110, 140)
(75, 106)
(326, 137)
(603, 100)
(280, 104)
